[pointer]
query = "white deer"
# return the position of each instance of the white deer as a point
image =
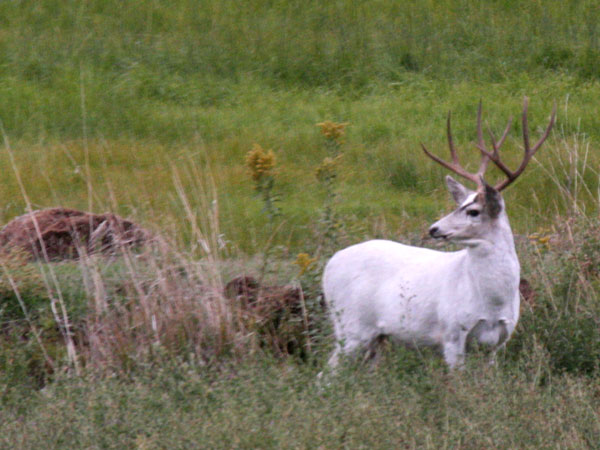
(422, 297)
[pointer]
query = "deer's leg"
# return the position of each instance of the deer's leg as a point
(374, 350)
(351, 346)
(334, 359)
(455, 347)
(332, 363)
(492, 359)
(502, 339)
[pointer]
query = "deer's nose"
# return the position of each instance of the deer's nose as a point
(433, 231)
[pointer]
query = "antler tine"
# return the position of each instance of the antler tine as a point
(529, 151)
(525, 126)
(547, 132)
(454, 166)
(501, 141)
(495, 155)
(485, 159)
(450, 140)
(457, 169)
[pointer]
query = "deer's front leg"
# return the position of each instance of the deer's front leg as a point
(455, 346)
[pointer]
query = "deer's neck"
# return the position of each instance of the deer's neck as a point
(498, 242)
(493, 265)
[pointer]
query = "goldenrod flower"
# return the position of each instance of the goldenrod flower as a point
(540, 237)
(260, 162)
(304, 261)
(333, 131)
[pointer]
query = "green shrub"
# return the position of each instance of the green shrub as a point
(555, 57)
(404, 176)
(564, 317)
(589, 63)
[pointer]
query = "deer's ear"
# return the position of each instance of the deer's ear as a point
(493, 202)
(458, 191)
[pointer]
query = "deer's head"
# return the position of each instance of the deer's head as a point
(480, 211)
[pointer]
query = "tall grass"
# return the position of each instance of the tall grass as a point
(111, 314)
(167, 302)
(407, 402)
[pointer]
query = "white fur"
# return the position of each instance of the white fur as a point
(423, 297)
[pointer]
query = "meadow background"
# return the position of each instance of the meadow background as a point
(149, 109)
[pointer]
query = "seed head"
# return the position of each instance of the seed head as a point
(261, 163)
(333, 131)
(304, 261)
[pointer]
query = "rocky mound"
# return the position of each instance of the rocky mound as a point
(66, 233)
(275, 313)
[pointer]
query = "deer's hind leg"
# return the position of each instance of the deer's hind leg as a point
(354, 346)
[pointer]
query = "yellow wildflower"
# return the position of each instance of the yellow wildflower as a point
(261, 163)
(304, 261)
(332, 130)
(541, 236)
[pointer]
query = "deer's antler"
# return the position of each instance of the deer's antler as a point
(529, 151)
(494, 155)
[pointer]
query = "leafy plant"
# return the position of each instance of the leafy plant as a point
(330, 225)
(262, 165)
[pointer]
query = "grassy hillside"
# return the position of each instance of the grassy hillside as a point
(127, 90)
(149, 110)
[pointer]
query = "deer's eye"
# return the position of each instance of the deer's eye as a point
(473, 213)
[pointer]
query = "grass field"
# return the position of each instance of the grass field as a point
(149, 110)
(130, 99)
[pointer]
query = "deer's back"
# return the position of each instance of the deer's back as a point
(384, 287)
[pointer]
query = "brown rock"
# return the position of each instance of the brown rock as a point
(527, 292)
(274, 312)
(66, 233)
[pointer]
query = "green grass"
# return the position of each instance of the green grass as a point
(409, 401)
(384, 136)
(146, 87)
